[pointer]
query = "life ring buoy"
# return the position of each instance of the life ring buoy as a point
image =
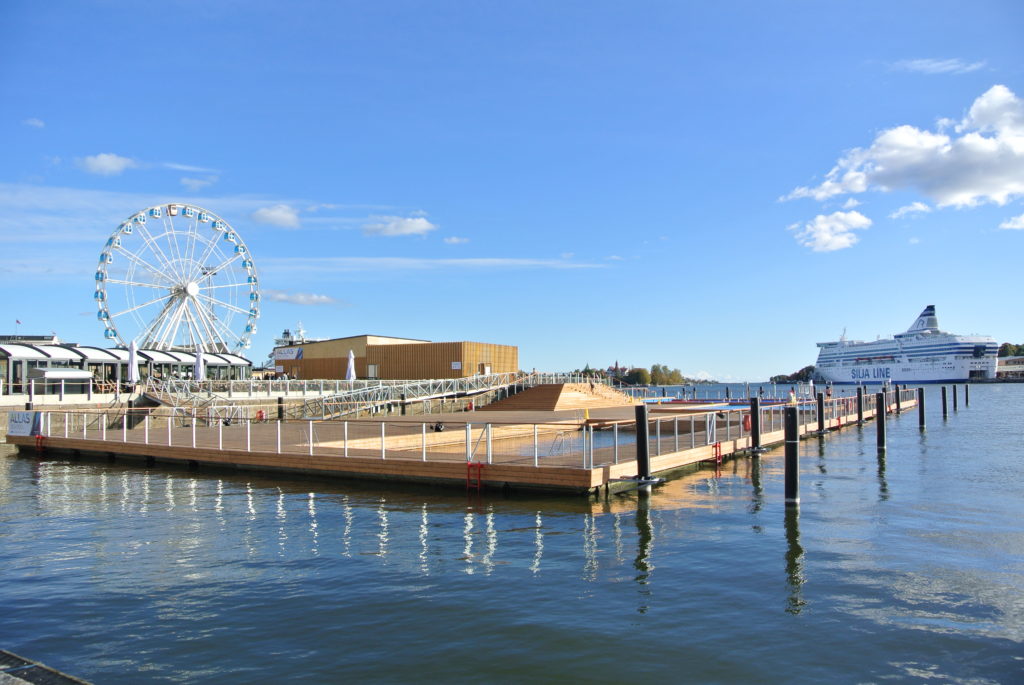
(747, 423)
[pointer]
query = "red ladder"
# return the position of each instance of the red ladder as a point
(474, 480)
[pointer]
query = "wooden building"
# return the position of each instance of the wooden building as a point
(387, 358)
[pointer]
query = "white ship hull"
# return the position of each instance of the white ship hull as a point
(923, 354)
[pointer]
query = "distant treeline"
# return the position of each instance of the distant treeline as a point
(1011, 350)
(659, 374)
(802, 376)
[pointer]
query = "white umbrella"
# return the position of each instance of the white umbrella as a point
(133, 363)
(199, 369)
(350, 375)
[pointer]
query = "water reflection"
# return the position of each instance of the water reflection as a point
(645, 544)
(757, 499)
(794, 561)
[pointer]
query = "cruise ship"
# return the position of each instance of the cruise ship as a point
(923, 354)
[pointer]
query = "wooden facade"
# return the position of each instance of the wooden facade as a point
(387, 358)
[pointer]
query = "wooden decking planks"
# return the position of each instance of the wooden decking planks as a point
(286, 447)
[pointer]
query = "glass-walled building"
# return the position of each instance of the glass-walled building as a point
(23, 361)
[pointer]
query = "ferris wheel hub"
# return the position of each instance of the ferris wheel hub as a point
(192, 289)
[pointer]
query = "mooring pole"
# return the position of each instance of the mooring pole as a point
(643, 458)
(920, 408)
(792, 458)
(899, 408)
(403, 404)
(280, 408)
(821, 412)
(860, 404)
(945, 410)
(755, 425)
(954, 397)
(880, 419)
(967, 395)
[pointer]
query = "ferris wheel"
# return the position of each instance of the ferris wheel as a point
(177, 277)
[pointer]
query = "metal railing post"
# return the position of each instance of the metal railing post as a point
(311, 438)
(423, 426)
(536, 452)
(383, 440)
(344, 437)
(279, 436)
(489, 454)
(145, 428)
(469, 442)
(615, 439)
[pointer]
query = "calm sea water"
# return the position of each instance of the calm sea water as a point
(906, 568)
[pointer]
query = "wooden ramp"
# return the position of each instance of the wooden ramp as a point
(562, 396)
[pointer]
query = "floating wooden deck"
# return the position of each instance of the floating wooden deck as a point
(565, 451)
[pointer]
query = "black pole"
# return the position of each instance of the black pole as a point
(755, 425)
(920, 408)
(860, 404)
(792, 458)
(821, 412)
(280, 408)
(880, 419)
(643, 459)
(403, 404)
(899, 408)
(954, 397)
(967, 395)
(945, 410)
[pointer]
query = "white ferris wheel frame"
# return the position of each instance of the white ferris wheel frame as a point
(175, 277)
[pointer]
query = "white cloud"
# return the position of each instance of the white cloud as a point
(912, 208)
(34, 123)
(455, 240)
(283, 216)
(305, 299)
(938, 66)
(1016, 222)
(851, 202)
(982, 161)
(197, 184)
(396, 225)
(832, 232)
(189, 168)
(106, 164)
(914, 241)
(335, 265)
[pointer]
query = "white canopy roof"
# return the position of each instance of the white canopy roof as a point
(22, 352)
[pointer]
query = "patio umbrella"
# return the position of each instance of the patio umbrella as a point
(350, 375)
(133, 363)
(199, 369)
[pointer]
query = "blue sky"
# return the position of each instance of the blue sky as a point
(712, 186)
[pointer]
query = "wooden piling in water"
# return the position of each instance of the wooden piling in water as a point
(792, 476)
(967, 395)
(755, 426)
(643, 457)
(945, 409)
(954, 397)
(880, 419)
(920, 408)
(860, 404)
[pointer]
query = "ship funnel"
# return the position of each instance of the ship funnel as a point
(927, 321)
